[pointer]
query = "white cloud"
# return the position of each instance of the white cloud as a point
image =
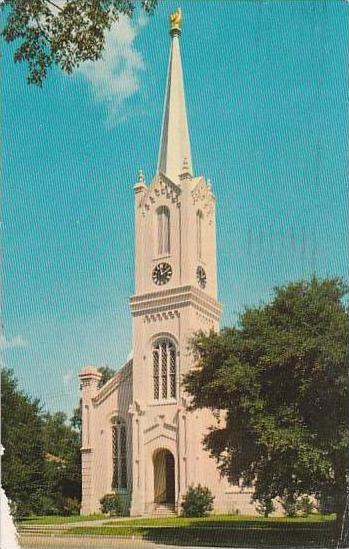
(15, 342)
(116, 76)
(68, 377)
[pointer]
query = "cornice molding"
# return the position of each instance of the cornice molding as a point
(121, 376)
(175, 298)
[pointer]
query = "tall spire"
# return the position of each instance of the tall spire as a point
(175, 143)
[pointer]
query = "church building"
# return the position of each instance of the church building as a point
(138, 436)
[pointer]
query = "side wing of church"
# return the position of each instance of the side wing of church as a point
(138, 437)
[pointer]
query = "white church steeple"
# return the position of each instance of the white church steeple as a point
(174, 143)
(138, 435)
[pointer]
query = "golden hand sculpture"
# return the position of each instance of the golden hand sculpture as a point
(176, 19)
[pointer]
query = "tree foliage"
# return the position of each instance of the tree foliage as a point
(107, 374)
(265, 507)
(281, 378)
(41, 471)
(76, 419)
(21, 435)
(63, 34)
(62, 463)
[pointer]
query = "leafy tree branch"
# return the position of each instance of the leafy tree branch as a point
(65, 35)
(279, 382)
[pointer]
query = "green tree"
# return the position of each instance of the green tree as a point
(107, 374)
(62, 463)
(23, 476)
(265, 507)
(41, 467)
(64, 34)
(280, 378)
(76, 419)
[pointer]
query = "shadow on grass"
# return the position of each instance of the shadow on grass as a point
(229, 533)
(245, 534)
(58, 519)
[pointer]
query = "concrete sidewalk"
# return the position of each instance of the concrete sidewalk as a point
(53, 542)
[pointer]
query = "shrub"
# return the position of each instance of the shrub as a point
(305, 506)
(47, 505)
(111, 504)
(71, 506)
(265, 507)
(290, 505)
(294, 506)
(197, 502)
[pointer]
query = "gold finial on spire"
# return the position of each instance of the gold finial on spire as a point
(141, 179)
(176, 22)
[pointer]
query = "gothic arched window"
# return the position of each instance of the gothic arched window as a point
(164, 370)
(119, 443)
(163, 228)
(199, 218)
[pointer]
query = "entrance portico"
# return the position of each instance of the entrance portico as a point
(164, 478)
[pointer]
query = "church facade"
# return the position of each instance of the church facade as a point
(138, 436)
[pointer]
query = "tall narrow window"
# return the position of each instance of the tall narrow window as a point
(123, 458)
(199, 217)
(115, 481)
(173, 372)
(164, 370)
(119, 442)
(163, 223)
(156, 382)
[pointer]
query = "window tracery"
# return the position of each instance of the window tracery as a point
(119, 450)
(164, 370)
(163, 231)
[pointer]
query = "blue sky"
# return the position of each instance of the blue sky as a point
(267, 96)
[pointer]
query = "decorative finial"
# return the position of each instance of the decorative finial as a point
(176, 22)
(141, 177)
(140, 186)
(185, 174)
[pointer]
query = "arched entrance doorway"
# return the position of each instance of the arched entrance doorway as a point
(164, 477)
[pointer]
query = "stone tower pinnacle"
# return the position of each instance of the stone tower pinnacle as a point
(174, 143)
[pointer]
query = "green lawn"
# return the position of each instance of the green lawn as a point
(57, 519)
(219, 520)
(232, 531)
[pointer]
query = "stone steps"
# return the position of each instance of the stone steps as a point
(165, 510)
(48, 529)
(40, 531)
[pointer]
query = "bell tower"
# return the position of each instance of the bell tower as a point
(175, 214)
(175, 290)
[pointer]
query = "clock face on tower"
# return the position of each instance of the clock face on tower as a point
(162, 273)
(201, 276)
